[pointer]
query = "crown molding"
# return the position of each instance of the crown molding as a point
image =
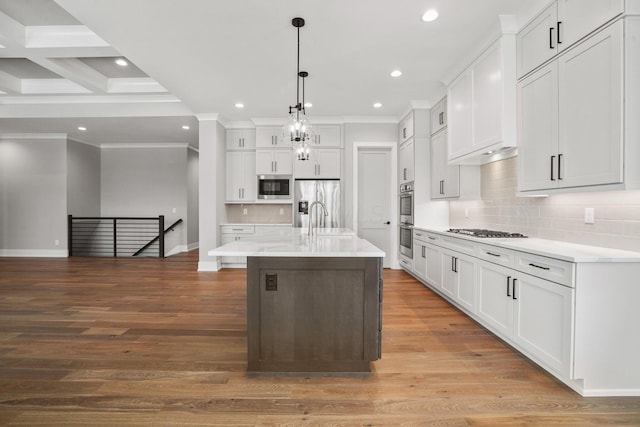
(6, 136)
(126, 145)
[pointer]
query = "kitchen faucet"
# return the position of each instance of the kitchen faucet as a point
(324, 208)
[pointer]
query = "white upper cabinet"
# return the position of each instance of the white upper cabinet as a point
(322, 164)
(326, 136)
(241, 176)
(570, 117)
(406, 162)
(559, 26)
(271, 137)
(445, 178)
(406, 129)
(239, 139)
(439, 116)
(273, 162)
(481, 105)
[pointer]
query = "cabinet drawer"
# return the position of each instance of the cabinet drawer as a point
(421, 236)
(236, 229)
(556, 270)
(496, 255)
(460, 245)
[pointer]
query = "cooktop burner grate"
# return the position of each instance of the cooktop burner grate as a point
(479, 232)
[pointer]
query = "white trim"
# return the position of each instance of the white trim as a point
(99, 99)
(134, 84)
(192, 148)
(208, 266)
(33, 136)
(34, 253)
(393, 146)
(79, 141)
(176, 250)
(193, 246)
(370, 119)
(61, 36)
(203, 117)
(118, 145)
(240, 125)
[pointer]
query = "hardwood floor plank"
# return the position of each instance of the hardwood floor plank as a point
(113, 342)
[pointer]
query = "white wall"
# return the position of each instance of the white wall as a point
(192, 198)
(83, 179)
(147, 182)
(33, 197)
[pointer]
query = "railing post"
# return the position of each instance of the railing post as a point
(161, 236)
(70, 234)
(115, 238)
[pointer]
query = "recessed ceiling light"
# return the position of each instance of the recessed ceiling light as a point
(82, 128)
(396, 73)
(239, 105)
(185, 127)
(121, 62)
(308, 105)
(430, 15)
(377, 105)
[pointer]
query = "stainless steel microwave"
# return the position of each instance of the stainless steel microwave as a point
(274, 187)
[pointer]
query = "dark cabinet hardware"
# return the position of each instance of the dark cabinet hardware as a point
(454, 264)
(424, 252)
(514, 288)
(559, 170)
(492, 254)
(558, 41)
(388, 222)
(540, 267)
(553, 160)
(508, 286)
(551, 46)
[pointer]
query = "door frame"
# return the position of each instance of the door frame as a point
(393, 146)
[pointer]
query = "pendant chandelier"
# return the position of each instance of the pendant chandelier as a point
(298, 127)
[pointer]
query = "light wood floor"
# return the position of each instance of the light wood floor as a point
(153, 342)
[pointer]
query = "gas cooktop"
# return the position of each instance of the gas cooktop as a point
(479, 232)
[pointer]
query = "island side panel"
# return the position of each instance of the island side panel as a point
(322, 315)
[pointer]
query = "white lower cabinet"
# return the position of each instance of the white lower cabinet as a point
(534, 314)
(572, 318)
(231, 233)
(420, 258)
(459, 278)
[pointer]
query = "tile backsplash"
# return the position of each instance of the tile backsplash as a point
(557, 217)
(259, 213)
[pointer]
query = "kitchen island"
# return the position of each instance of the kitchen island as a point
(313, 302)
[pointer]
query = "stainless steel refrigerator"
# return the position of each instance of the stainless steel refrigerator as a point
(307, 191)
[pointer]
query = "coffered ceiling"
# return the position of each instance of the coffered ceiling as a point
(57, 60)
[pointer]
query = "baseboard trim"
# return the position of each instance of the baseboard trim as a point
(34, 253)
(208, 266)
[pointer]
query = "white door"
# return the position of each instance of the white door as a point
(374, 198)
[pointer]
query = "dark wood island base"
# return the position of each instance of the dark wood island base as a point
(313, 316)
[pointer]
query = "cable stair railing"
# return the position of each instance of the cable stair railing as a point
(117, 236)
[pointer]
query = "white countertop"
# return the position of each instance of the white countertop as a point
(571, 252)
(326, 242)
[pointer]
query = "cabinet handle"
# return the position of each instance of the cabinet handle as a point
(404, 173)
(404, 132)
(318, 139)
(540, 267)
(239, 193)
(424, 255)
(558, 41)
(275, 166)
(514, 288)
(319, 169)
(559, 167)
(442, 187)
(432, 238)
(553, 160)
(452, 267)
(418, 234)
(492, 254)
(551, 46)
(508, 286)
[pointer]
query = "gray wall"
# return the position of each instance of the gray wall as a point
(83, 179)
(33, 197)
(360, 132)
(192, 198)
(146, 182)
